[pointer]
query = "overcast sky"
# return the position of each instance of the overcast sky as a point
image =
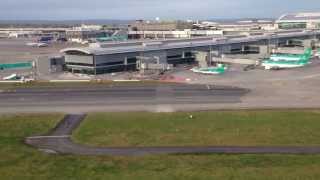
(150, 9)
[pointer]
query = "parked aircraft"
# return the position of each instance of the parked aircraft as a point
(281, 61)
(282, 64)
(292, 57)
(11, 77)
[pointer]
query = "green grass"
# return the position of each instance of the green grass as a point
(244, 128)
(18, 161)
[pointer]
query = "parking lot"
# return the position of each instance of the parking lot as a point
(16, 50)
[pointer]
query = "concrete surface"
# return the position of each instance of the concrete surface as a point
(290, 88)
(153, 97)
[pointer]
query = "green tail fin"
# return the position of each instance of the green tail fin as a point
(308, 51)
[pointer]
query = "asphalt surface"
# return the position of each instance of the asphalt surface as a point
(59, 141)
(111, 95)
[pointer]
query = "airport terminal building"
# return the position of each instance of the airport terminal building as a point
(100, 58)
(111, 57)
(103, 58)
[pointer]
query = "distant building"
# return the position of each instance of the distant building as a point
(182, 29)
(309, 20)
(23, 34)
(158, 29)
(84, 33)
(33, 32)
(237, 27)
(141, 25)
(187, 33)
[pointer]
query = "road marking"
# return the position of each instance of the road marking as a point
(49, 151)
(120, 80)
(79, 80)
(41, 137)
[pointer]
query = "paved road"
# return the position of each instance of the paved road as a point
(107, 96)
(58, 141)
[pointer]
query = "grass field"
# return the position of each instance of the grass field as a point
(6, 86)
(18, 161)
(244, 128)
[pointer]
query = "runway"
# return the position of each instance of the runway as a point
(51, 98)
(59, 141)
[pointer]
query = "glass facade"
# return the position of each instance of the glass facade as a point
(295, 25)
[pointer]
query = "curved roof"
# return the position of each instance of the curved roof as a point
(177, 44)
(311, 16)
(80, 50)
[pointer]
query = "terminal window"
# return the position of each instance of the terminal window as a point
(293, 25)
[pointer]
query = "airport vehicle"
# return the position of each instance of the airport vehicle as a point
(38, 44)
(219, 69)
(46, 39)
(42, 42)
(292, 57)
(61, 39)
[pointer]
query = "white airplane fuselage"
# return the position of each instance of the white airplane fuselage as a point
(268, 66)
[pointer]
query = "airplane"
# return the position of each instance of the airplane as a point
(281, 61)
(11, 77)
(292, 57)
(220, 69)
(282, 64)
